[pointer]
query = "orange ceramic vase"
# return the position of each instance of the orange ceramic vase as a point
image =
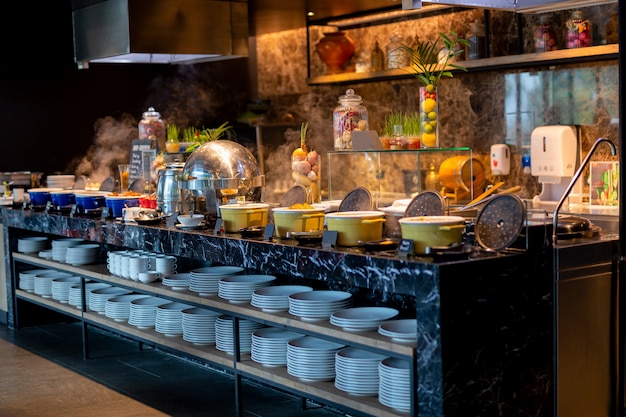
(335, 49)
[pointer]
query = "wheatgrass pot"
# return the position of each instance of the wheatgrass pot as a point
(242, 215)
(297, 220)
(356, 226)
(429, 231)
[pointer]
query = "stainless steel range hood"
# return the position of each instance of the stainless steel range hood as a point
(159, 31)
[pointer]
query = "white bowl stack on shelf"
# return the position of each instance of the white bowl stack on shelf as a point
(400, 331)
(82, 254)
(239, 288)
(60, 181)
(33, 244)
(269, 345)
(199, 325)
(118, 308)
(358, 319)
(59, 247)
(276, 298)
(76, 293)
(61, 287)
(99, 297)
(319, 304)
(394, 388)
(224, 334)
(177, 282)
(169, 318)
(27, 279)
(205, 281)
(43, 282)
(312, 359)
(357, 371)
(143, 311)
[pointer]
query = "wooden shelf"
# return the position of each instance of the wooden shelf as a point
(50, 303)
(559, 57)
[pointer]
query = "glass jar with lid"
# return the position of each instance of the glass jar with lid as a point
(348, 116)
(398, 55)
(152, 127)
(578, 31)
(545, 35)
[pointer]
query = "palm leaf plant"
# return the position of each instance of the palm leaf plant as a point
(425, 60)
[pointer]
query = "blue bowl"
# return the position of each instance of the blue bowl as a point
(63, 198)
(90, 201)
(118, 202)
(41, 196)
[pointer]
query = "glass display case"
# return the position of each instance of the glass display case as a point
(401, 174)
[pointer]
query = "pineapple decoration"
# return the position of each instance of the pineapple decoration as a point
(305, 168)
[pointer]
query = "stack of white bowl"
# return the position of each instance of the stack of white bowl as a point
(43, 282)
(169, 318)
(118, 308)
(82, 254)
(362, 318)
(177, 282)
(318, 304)
(239, 288)
(33, 244)
(401, 331)
(60, 181)
(61, 288)
(143, 311)
(312, 359)
(357, 371)
(276, 298)
(76, 293)
(269, 346)
(99, 297)
(394, 388)
(199, 325)
(27, 279)
(59, 247)
(205, 281)
(224, 334)
(46, 254)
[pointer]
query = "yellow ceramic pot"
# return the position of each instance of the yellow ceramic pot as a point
(429, 231)
(355, 226)
(297, 220)
(242, 215)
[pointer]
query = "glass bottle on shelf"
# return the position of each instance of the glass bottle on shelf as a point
(476, 39)
(398, 140)
(432, 181)
(545, 35)
(152, 127)
(397, 54)
(578, 31)
(348, 116)
(377, 58)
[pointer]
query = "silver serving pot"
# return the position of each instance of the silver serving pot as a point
(168, 192)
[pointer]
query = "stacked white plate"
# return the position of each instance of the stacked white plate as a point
(169, 318)
(269, 346)
(205, 281)
(60, 181)
(394, 389)
(359, 319)
(312, 359)
(99, 297)
(402, 331)
(143, 311)
(82, 254)
(239, 288)
(32, 244)
(177, 282)
(357, 371)
(43, 282)
(318, 304)
(118, 308)
(27, 279)
(76, 293)
(46, 254)
(61, 288)
(275, 299)
(224, 334)
(59, 247)
(199, 325)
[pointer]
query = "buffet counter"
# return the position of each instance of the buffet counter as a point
(485, 324)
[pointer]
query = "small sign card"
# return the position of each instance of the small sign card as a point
(329, 239)
(405, 248)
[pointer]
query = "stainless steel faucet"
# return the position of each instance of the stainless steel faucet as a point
(575, 178)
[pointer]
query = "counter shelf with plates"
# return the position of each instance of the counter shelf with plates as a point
(241, 364)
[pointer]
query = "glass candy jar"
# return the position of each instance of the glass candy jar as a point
(578, 31)
(152, 127)
(545, 35)
(348, 116)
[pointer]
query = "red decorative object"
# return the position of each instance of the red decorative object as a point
(335, 49)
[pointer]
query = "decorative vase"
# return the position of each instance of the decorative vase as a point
(335, 49)
(429, 116)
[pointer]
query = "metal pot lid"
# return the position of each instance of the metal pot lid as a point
(427, 203)
(572, 224)
(294, 195)
(500, 222)
(359, 199)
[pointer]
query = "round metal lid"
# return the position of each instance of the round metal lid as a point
(359, 199)
(295, 195)
(500, 222)
(427, 203)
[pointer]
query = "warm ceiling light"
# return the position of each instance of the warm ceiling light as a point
(310, 14)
